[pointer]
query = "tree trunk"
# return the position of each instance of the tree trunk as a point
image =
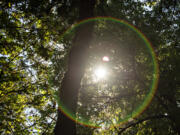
(76, 66)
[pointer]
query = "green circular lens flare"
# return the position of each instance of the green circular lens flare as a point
(151, 88)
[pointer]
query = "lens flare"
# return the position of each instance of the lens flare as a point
(105, 58)
(101, 73)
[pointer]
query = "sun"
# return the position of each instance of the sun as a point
(100, 73)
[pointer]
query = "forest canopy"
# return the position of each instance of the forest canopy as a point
(89, 67)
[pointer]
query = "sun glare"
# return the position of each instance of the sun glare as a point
(100, 72)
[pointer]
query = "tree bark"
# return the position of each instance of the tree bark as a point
(76, 66)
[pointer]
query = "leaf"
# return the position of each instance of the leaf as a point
(9, 4)
(39, 24)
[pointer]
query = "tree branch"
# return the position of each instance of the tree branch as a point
(140, 121)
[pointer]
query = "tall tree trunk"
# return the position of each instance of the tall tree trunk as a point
(76, 66)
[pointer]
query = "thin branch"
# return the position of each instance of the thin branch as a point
(25, 28)
(53, 119)
(142, 120)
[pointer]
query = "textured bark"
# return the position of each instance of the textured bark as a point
(76, 66)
